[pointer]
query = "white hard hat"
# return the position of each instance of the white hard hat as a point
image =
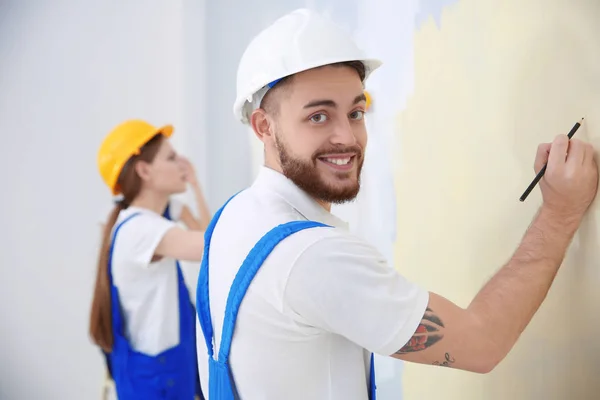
(296, 42)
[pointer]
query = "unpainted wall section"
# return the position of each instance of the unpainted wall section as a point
(492, 81)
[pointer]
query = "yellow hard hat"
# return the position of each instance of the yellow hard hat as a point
(123, 142)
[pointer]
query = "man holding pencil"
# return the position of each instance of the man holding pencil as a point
(318, 301)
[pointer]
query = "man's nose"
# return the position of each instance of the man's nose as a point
(343, 134)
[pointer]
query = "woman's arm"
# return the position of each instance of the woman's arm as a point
(181, 244)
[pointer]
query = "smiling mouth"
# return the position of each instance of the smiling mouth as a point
(342, 162)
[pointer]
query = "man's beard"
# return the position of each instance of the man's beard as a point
(305, 174)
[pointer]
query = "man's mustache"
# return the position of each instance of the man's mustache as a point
(357, 150)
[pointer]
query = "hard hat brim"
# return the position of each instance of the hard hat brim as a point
(166, 130)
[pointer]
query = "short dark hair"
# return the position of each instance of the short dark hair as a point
(268, 104)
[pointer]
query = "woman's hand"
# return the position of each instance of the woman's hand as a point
(190, 172)
(204, 215)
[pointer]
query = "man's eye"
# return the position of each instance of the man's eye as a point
(318, 118)
(358, 115)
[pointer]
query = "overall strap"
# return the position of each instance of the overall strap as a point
(116, 309)
(167, 212)
(187, 325)
(239, 287)
(247, 272)
(372, 385)
(202, 300)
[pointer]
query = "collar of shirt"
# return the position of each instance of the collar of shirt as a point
(274, 181)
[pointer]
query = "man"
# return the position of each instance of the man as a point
(318, 301)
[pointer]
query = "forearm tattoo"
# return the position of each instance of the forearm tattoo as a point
(448, 360)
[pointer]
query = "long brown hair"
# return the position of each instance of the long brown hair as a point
(130, 185)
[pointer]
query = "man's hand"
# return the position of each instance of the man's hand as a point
(571, 179)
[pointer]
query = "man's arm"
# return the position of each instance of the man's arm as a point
(478, 338)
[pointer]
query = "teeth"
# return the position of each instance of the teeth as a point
(338, 161)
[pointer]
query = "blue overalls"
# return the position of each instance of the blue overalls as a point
(220, 380)
(172, 374)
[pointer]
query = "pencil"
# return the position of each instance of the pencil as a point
(543, 170)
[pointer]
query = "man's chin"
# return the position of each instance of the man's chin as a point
(329, 173)
(339, 195)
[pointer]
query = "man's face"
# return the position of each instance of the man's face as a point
(319, 133)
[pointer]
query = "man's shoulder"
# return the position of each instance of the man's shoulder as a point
(338, 243)
(255, 210)
(251, 214)
(324, 246)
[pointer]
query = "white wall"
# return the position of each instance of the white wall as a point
(231, 26)
(69, 72)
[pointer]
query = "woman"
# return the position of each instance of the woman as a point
(141, 315)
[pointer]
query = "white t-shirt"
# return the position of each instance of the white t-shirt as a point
(322, 301)
(148, 291)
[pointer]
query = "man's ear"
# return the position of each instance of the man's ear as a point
(143, 170)
(261, 124)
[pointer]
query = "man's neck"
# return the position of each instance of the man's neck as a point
(325, 205)
(151, 201)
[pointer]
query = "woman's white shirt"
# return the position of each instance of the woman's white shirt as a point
(148, 291)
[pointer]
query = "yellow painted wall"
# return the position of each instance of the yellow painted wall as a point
(493, 81)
